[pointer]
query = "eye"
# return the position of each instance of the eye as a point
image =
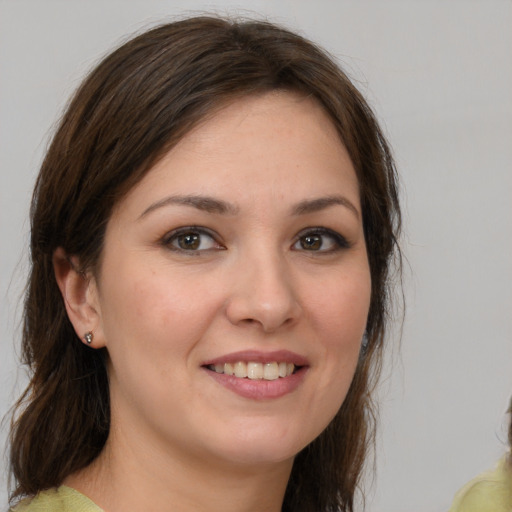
(191, 239)
(320, 240)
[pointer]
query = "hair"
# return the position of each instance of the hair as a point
(130, 111)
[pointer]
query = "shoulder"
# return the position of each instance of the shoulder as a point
(61, 499)
(489, 492)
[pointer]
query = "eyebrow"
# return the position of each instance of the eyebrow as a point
(218, 206)
(204, 203)
(315, 205)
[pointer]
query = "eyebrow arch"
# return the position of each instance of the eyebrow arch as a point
(315, 205)
(204, 203)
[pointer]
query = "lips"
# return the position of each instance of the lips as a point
(259, 375)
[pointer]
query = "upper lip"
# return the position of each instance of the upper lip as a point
(258, 356)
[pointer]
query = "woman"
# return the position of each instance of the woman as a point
(219, 209)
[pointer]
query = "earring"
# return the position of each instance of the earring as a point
(364, 343)
(88, 337)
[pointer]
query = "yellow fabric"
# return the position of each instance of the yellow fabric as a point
(62, 499)
(488, 492)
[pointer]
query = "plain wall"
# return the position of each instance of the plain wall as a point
(439, 75)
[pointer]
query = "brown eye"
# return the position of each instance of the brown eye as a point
(191, 240)
(311, 242)
(320, 240)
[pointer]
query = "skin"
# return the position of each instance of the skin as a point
(255, 282)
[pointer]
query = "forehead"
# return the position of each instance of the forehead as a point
(263, 117)
(274, 145)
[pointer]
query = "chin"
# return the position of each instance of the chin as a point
(258, 455)
(270, 444)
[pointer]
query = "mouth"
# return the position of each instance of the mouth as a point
(259, 375)
(255, 370)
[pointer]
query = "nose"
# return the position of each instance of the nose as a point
(263, 294)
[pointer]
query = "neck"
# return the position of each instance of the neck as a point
(129, 476)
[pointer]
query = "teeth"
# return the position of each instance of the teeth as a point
(255, 371)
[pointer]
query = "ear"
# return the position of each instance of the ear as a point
(80, 294)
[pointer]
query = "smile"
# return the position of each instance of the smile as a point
(259, 375)
(255, 370)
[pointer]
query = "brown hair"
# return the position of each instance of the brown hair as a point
(133, 107)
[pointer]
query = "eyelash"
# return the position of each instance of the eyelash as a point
(339, 242)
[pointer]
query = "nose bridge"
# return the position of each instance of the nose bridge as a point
(265, 290)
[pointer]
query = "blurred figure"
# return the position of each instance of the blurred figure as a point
(491, 491)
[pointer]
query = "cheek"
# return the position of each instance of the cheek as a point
(152, 325)
(156, 314)
(340, 307)
(339, 317)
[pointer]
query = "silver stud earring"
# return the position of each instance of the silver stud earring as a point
(88, 337)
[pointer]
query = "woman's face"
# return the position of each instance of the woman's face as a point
(234, 287)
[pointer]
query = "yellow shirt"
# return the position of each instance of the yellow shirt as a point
(61, 499)
(488, 492)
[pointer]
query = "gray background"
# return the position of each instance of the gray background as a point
(439, 75)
